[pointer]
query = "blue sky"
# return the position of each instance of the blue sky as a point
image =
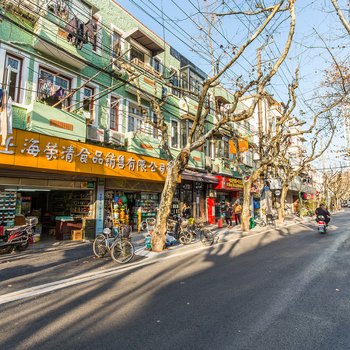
(316, 27)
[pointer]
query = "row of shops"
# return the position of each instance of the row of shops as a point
(75, 187)
(63, 203)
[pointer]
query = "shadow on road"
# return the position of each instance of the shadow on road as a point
(211, 299)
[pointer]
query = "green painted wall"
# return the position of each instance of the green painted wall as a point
(40, 45)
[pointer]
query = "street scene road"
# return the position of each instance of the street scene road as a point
(285, 289)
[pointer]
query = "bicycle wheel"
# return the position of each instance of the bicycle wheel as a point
(122, 251)
(99, 246)
(185, 237)
(207, 237)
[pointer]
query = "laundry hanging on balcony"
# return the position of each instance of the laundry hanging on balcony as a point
(51, 93)
(5, 116)
(80, 33)
(59, 8)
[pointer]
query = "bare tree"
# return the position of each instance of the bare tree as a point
(197, 137)
(341, 16)
(336, 188)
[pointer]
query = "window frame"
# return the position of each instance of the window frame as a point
(18, 84)
(113, 40)
(55, 74)
(157, 59)
(92, 105)
(117, 111)
(174, 91)
(185, 128)
(133, 47)
(177, 144)
(134, 116)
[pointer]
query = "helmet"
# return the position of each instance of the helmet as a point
(106, 231)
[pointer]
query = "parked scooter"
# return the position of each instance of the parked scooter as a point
(17, 237)
(321, 223)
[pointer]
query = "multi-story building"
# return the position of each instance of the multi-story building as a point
(82, 75)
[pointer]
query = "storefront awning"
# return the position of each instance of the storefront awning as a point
(200, 177)
(144, 39)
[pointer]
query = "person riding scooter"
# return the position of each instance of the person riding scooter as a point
(322, 211)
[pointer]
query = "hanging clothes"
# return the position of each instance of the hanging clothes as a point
(91, 29)
(59, 8)
(5, 117)
(77, 32)
(1, 94)
(45, 89)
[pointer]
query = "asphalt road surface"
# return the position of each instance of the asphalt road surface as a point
(286, 289)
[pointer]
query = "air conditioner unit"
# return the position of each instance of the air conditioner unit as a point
(116, 138)
(31, 9)
(117, 67)
(95, 134)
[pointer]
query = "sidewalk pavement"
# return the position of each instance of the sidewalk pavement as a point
(225, 233)
(138, 239)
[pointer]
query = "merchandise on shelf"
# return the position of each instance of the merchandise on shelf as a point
(175, 207)
(116, 209)
(81, 203)
(8, 201)
(148, 202)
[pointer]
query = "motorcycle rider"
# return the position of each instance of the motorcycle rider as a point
(322, 210)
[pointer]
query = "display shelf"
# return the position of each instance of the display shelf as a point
(81, 204)
(7, 207)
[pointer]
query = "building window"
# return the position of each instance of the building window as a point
(209, 148)
(136, 53)
(135, 118)
(116, 44)
(186, 126)
(222, 148)
(114, 114)
(96, 41)
(174, 80)
(157, 65)
(191, 81)
(174, 134)
(15, 76)
(88, 102)
(226, 148)
(53, 88)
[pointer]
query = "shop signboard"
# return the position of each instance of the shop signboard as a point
(100, 205)
(198, 186)
(187, 186)
(228, 183)
(33, 151)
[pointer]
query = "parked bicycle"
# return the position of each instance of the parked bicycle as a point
(196, 227)
(116, 242)
(178, 228)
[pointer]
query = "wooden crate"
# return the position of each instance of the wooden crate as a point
(77, 235)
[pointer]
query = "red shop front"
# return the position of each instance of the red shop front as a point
(227, 189)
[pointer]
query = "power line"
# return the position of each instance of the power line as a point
(122, 80)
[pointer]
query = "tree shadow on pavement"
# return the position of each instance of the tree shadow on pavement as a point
(208, 298)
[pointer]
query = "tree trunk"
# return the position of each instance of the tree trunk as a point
(174, 169)
(247, 185)
(282, 208)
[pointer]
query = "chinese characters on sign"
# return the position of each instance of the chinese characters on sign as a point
(32, 147)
